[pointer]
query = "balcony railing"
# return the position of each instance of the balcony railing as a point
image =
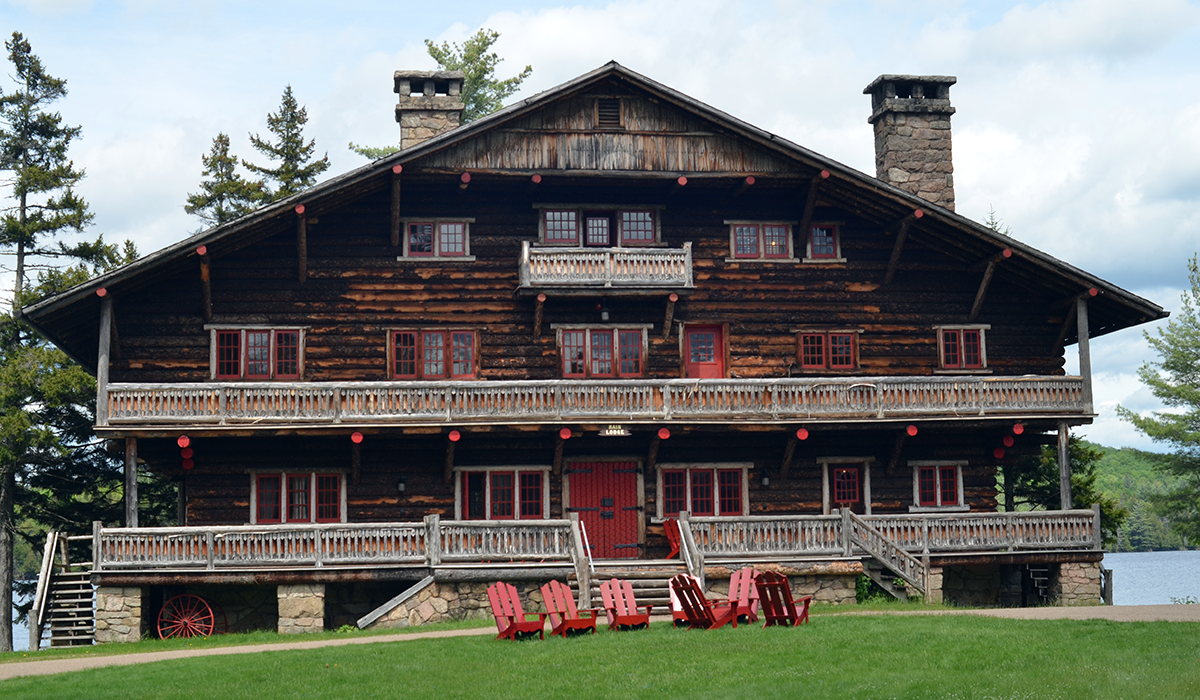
(606, 267)
(507, 402)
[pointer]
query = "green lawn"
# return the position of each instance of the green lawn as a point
(835, 656)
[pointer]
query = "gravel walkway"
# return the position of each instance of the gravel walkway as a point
(1118, 613)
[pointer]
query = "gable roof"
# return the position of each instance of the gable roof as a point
(966, 240)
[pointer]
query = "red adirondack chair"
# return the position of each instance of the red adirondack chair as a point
(671, 526)
(621, 607)
(700, 612)
(743, 594)
(510, 617)
(778, 606)
(564, 617)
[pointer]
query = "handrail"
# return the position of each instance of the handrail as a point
(885, 551)
(694, 557)
(37, 613)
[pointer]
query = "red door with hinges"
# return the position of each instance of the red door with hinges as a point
(605, 496)
(704, 352)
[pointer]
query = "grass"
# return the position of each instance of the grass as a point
(873, 656)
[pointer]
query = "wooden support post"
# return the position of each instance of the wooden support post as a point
(301, 244)
(433, 539)
(1085, 350)
(810, 203)
(464, 181)
(670, 315)
(679, 184)
(205, 284)
(537, 316)
(181, 503)
(652, 453)
(901, 227)
(1064, 466)
(789, 456)
(559, 443)
(448, 469)
(131, 485)
(355, 462)
(897, 450)
(743, 185)
(102, 356)
(983, 264)
(1062, 332)
(534, 181)
(396, 170)
(982, 292)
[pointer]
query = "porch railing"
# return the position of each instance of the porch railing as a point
(606, 267)
(532, 401)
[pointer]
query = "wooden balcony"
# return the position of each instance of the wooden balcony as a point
(661, 401)
(608, 269)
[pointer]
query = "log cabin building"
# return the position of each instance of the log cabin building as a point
(518, 348)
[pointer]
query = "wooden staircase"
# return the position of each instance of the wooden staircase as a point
(71, 613)
(887, 555)
(649, 577)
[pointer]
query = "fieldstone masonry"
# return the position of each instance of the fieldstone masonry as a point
(429, 104)
(911, 116)
(301, 608)
(1077, 583)
(442, 602)
(118, 614)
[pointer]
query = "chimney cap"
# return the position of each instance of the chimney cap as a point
(903, 78)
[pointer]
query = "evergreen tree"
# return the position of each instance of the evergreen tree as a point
(293, 172)
(226, 195)
(1175, 379)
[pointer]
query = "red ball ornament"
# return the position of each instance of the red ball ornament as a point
(356, 437)
(911, 430)
(183, 441)
(998, 453)
(186, 453)
(1008, 440)
(188, 464)
(455, 436)
(664, 434)
(802, 433)
(565, 433)
(1018, 428)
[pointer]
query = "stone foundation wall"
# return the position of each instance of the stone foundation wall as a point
(1077, 583)
(301, 608)
(972, 586)
(443, 602)
(245, 607)
(118, 614)
(832, 583)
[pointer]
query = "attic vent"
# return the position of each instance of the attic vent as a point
(608, 113)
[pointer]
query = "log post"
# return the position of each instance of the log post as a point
(559, 443)
(982, 292)
(448, 469)
(131, 484)
(1062, 332)
(743, 185)
(789, 455)
(652, 453)
(355, 462)
(679, 183)
(901, 227)
(301, 244)
(537, 316)
(433, 540)
(1085, 351)
(395, 229)
(205, 284)
(810, 204)
(1064, 466)
(670, 315)
(102, 356)
(897, 450)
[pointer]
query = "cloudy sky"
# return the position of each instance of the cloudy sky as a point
(1078, 121)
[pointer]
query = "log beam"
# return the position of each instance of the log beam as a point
(670, 314)
(983, 264)
(679, 184)
(395, 229)
(464, 181)
(355, 462)
(301, 244)
(1064, 466)
(981, 294)
(652, 453)
(205, 284)
(534, 181)
(901, 228)
(789, 456)
(1062, 332)
(743, 185)
(559, 443)
(897, 450)
(810, 203)
(1085, 352)
(448, 468)
(131, 484)
(102, 356)
(537, 316)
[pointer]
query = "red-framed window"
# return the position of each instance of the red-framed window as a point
(761, 241)
(598, 230)
(452, 238)
(602, 352)
(962, 348)
(433, 354)
(290, 498)
(604, 228)
(445, 239)
(420, 238)
(258, 354)
(824, 242)
(502, 495)
(846, 485)
(828, 350)
(937, 486)
(637, 227)
(562, 226)
(702, 491)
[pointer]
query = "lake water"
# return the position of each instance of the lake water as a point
(1139, 578)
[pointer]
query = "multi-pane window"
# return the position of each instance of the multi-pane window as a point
(828, 350)
(823, 243)
(846, 485)
(702, 491)
(289, 498)
(962, 348)
(575, 227)
(433, 354)
(257, 353)
(937, 485)
(602, 352)
(502, 494)
(444, 239)
(761, 240)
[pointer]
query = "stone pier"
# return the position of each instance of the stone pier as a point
(118, 614)
(301, 608)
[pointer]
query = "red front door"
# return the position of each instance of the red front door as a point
(605, 496)
(704, 352)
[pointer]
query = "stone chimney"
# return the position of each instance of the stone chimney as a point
(430, 104)
(911, 116)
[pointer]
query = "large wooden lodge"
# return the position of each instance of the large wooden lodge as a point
(517, 347)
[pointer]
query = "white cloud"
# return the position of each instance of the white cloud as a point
(53, 7)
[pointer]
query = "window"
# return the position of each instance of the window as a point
(937, 486)
(716, 490)
(824, 243)
(760, 240)
(296, 498)
(602, 352)
(257, 354)
(831, 350)
(502, 493)
(845, 486)
(432, 354)
(599, 227)
(437, 238)
(846, 483)
(962, 347)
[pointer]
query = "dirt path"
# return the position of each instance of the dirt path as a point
(1118, 613)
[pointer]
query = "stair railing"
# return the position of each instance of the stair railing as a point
(875, 543)
(581, 557)
(692, 556)
(37, 613)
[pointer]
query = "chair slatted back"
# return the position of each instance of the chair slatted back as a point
(775, 596)
(506, 604)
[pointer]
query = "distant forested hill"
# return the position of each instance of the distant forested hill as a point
(1130, 476)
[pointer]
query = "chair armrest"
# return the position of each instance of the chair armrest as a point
(648, 608)
(593, 611)
(541, 616)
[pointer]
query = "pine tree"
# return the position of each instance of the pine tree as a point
(226, 195)
(294, 173)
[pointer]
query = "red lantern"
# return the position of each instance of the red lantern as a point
(911, 430)
(455, 436)
(664, 434)
(188, 464)
(1008, 440)
(183, 441)
(565, 433)
(356, 437)
(998, 453)
(186, 453)
(1018, 428)
(802, 433)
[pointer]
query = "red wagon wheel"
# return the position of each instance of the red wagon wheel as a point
(185, 616)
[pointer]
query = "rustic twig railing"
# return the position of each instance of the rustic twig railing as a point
(533, 401)
(885, 551)
(606, 267)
